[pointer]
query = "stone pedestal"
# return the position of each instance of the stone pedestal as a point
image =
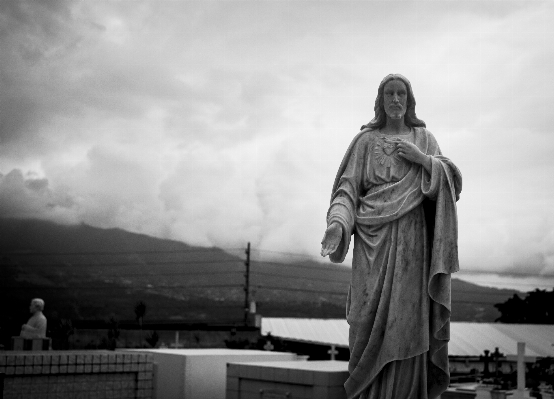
(30, 344)
(281, 380)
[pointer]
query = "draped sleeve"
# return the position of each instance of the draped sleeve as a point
(347, 190)
(443, 185)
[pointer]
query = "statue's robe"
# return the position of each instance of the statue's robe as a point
(404, 224)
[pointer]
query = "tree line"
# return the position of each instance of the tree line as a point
(537, 307)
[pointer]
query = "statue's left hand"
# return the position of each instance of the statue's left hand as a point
(410, 152)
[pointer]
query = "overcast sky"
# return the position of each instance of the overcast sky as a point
(223, 122)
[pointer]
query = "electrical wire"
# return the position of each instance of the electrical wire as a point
(322, 268)
(207, 249)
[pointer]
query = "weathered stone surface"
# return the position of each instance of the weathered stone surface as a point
(396, 194)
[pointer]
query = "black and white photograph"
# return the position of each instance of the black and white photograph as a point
(238, 199)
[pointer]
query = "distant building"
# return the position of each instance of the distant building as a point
(467, 346)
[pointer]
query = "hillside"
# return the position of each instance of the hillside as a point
(86, 273)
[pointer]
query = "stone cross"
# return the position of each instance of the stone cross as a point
(486, 359)
(520, 393)
(497, 356)
(333, 351)
(176, 344)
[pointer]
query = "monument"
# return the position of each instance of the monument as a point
(36, 325)
(396, 194)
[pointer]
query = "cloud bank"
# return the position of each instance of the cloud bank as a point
(218, 123)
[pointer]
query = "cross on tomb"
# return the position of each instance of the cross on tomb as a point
(176, 345)
(497, 356)
(268, 346)
(333, 351)
(520, 392)
(486, 359)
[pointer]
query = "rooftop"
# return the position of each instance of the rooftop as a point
(466, 339)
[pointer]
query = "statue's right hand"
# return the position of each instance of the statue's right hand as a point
(331, 239)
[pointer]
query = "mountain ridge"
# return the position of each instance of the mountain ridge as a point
(86, 272)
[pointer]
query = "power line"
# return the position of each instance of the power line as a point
(134, 264)
(509, 274)
(298, 277)
(154, 273)
(305, 256)
(151, 273)
(90, 253)
(182, 262)
(301, 290)
(193, 286)
(151, 307)
(341, 282)
(208, 249)
(102, 287)
(215, 263)
(322, 268)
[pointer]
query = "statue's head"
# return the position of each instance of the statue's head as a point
(380, 119)
(37, 305)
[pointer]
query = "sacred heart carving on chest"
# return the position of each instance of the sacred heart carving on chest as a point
(389, 148)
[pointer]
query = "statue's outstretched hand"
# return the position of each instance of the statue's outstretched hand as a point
(331, 239)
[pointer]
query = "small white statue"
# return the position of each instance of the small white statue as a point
(36, 325)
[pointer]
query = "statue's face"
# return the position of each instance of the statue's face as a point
(395, 98)
(34, 307)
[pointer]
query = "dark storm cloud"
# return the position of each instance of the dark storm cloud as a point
(29, 196)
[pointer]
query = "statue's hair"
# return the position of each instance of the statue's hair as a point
(39, 303)
(380, 119)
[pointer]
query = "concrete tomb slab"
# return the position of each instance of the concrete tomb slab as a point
(276, 380)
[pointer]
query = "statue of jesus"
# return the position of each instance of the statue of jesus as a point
(396, 193)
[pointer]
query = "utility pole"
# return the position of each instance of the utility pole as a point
(247, 284)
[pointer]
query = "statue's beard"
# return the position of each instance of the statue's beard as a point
(396, 114)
